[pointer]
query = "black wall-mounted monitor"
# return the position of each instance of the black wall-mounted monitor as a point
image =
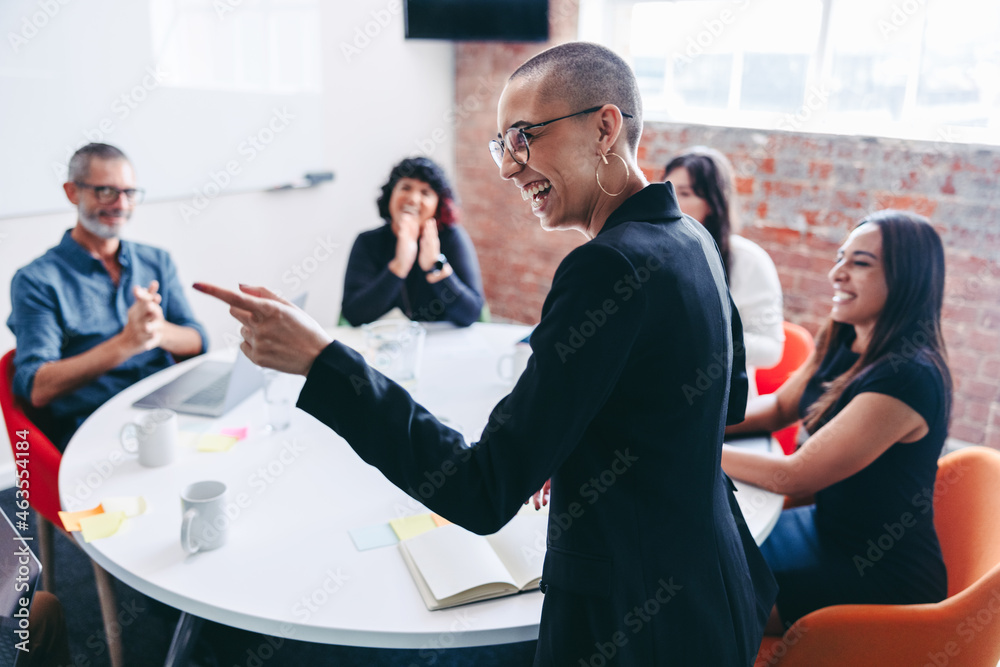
(478, 20)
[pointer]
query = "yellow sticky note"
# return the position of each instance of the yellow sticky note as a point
(131, 505)
(71, 520)
(216, 443)
(439, 520)
(411, 526)
(101, 525)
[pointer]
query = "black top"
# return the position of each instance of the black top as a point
(371, 289)
(899, 484)
(623, 404)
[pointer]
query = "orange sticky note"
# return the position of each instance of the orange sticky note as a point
(71, 520)
(439, 520)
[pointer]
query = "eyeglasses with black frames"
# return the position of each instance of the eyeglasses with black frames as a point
(107, 194)
(515, 140)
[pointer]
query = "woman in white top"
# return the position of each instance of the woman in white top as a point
(703, 182)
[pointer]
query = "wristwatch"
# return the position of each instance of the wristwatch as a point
(438, 265)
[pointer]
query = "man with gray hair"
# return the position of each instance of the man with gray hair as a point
(96, 313)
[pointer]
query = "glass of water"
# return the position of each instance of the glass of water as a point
(278, 395)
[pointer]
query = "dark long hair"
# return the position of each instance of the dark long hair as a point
(913, 257)
(430, 173)
(711, 176)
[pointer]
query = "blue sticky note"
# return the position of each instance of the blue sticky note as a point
(373, 537)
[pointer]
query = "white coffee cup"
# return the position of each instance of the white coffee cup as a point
(510, 366)
(204, 523)
(154, 436)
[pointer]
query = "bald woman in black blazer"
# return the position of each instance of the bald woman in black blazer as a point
(648, 560)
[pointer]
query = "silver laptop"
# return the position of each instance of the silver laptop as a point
(212, 388)
(19, 571)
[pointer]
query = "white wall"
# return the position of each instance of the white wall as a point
(384, 100)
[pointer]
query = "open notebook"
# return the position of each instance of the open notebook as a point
(452, 566)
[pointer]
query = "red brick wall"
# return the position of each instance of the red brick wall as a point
(798, 196)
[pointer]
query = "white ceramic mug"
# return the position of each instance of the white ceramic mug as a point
(204, 523)
(510, 366)
(154, 436)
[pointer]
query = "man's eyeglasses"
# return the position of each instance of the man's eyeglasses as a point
(107, 194)
(515, 140)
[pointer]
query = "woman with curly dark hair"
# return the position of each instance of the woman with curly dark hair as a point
(420, 261)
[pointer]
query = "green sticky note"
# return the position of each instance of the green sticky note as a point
(411, 526)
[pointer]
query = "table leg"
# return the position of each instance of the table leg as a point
(185, 635)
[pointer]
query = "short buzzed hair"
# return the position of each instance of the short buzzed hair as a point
(79, 164)
(585, 75)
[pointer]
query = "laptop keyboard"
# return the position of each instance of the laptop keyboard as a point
(212, 394)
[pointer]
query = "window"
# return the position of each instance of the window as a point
(919, 69)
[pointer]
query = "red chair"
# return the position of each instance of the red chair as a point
(42, 467)
(799, 346)
(963, 629)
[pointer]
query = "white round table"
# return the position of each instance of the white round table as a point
(290, 567)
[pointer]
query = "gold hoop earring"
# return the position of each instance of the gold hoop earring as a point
(597, 174)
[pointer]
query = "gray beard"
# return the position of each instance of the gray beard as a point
(93, 225)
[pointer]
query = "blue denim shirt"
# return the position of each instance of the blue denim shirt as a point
(64, 303)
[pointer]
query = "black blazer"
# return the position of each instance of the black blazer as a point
(623, 404)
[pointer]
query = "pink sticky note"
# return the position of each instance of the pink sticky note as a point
(238, 433)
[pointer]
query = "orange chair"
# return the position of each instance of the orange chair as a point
(963, 629)
(799, 346)
(42, 467)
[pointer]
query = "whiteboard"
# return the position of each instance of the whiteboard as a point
(206, 97)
